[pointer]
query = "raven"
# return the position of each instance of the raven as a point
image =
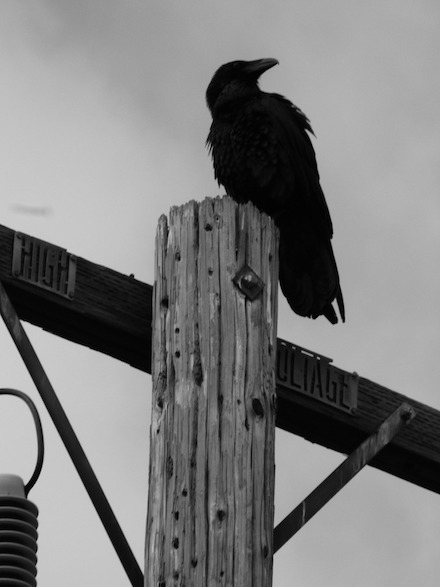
(263, 154)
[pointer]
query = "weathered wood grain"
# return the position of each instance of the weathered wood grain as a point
(210, 515)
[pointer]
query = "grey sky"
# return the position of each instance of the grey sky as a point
(104, 121)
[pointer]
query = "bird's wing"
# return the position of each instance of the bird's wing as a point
(296, 162)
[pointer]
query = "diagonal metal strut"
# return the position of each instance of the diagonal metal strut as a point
(70, 440)
(342, 475)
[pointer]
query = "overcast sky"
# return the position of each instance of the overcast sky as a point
(103, 125)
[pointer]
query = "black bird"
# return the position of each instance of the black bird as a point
(262, 153)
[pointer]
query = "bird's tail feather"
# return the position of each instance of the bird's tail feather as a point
(310, 287)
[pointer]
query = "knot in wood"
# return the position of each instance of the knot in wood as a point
(257, 406)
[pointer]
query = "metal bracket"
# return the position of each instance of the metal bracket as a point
(248, 282)
(342, 475)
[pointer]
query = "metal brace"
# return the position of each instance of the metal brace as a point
(342, 475)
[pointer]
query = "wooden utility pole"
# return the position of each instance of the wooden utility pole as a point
(211, 494)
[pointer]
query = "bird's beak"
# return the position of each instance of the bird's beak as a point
(259, 66)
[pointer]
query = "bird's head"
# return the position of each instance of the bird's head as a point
(236, 80)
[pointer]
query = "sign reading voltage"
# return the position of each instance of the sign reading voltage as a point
(44, 265)
(313, 375)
